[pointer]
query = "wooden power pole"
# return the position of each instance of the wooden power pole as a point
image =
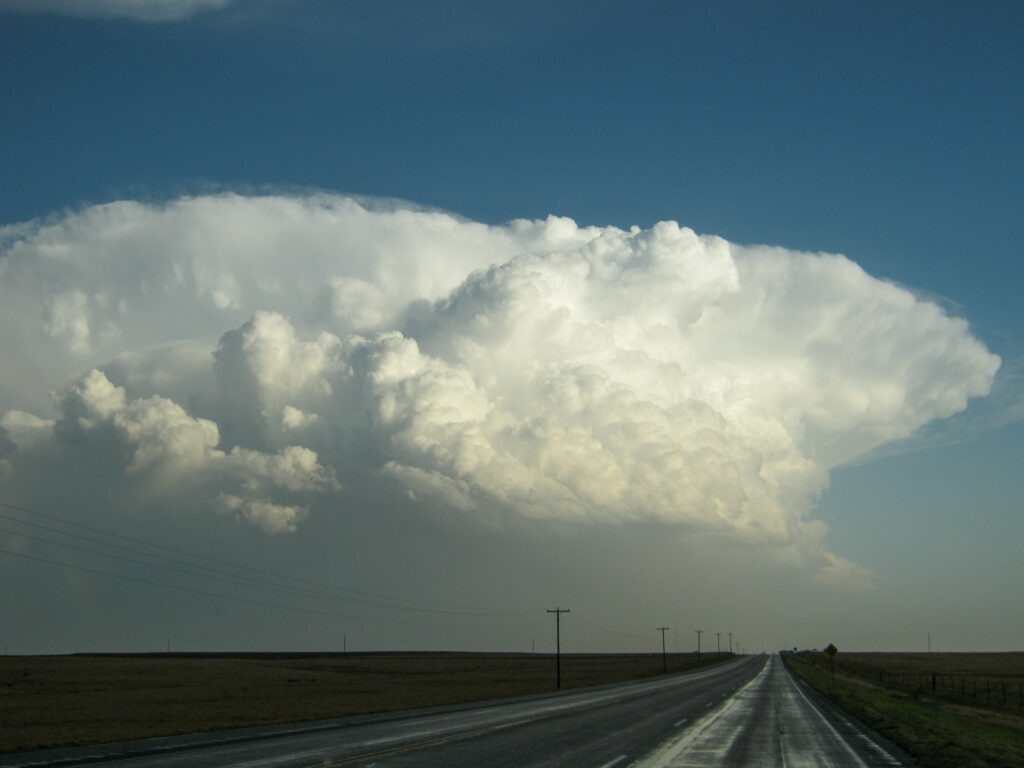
(558, 644)
(664, 661)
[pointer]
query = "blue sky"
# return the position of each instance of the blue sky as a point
(887, 132)
(884, 131)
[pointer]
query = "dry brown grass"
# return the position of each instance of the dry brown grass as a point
(63, 700)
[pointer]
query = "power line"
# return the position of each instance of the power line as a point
(441, 608)
(134, 550)
(229, 578)
(251, 601)
(642, 639)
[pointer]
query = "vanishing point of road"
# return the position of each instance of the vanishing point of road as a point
(750, 711)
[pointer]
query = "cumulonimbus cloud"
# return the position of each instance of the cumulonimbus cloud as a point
(537, 369)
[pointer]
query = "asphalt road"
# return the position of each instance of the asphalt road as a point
(747, 712)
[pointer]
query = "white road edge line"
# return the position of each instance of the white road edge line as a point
(616, 761)
(845, 743)
(680, 722)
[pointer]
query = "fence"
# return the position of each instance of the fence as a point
(981, 691)
(986, 689)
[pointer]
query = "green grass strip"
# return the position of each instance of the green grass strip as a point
(939, 735)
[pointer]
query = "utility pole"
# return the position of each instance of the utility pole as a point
(929, 642)
(730, 642)
(558, 644)
(664, 663)
(699, 633)
(718, 639)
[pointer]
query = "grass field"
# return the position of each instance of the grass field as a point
(988, 680)
(950, 710)
(82, 699)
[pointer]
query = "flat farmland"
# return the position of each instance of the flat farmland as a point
(52, 701)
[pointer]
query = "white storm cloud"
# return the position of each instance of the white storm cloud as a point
(276, 347)
(166, 452)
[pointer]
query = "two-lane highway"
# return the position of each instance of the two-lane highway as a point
(774, 721)
(748, 711)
